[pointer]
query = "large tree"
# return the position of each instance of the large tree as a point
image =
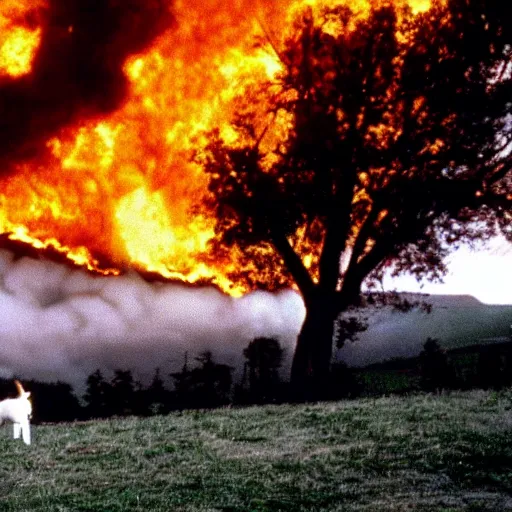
(384, 141)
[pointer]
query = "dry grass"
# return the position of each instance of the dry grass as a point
(445, 453)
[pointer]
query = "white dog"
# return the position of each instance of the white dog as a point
(18, 411)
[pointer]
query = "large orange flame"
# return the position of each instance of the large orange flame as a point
(117, 192)
(18, 41)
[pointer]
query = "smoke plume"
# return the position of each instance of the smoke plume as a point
(61, 323)
(58, 323)
(77, 71)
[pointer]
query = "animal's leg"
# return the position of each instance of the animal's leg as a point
(16, 430)
(25, 430)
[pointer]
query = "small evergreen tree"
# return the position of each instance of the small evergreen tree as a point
(97, 396)
(123, 393)
(436, 372)
(264, 358)
(157, 397)
(182, 385)
(491, 368)
(55, 401)
(211, 382)
(140, 406)
(204, 386)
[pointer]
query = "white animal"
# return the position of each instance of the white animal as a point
(18, 411)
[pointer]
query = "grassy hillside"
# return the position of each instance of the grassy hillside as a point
(456, 321)
(445, 453)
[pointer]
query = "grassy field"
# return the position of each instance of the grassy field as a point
(420, 452)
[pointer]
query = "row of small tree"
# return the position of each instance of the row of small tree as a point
(205, 383)
(202, 383)
(489, 368)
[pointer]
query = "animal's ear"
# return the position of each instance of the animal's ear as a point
(19, 387)
(27, 394)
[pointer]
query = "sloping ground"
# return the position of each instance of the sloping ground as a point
(456, 321)
(447, 453)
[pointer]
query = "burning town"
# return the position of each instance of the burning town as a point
(200, 205)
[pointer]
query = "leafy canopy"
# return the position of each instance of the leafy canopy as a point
(384, 139)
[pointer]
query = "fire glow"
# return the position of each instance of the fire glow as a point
(117, 191)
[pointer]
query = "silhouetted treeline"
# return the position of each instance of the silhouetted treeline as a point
(203, 382)
(207, 384)
(436, 370)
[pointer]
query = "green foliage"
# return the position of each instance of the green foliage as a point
(53, 401)
(493, 369)
(157, 397)
(122, 393)
(376, 383)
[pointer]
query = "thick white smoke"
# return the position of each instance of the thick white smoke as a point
(58, 323)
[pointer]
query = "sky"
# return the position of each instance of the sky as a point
(484, 272)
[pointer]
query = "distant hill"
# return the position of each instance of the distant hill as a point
(455, 320)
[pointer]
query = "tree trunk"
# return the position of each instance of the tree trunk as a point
(313, 352)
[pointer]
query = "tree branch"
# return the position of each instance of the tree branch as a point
(293, 263)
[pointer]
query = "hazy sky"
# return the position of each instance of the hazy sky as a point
(485, 273)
